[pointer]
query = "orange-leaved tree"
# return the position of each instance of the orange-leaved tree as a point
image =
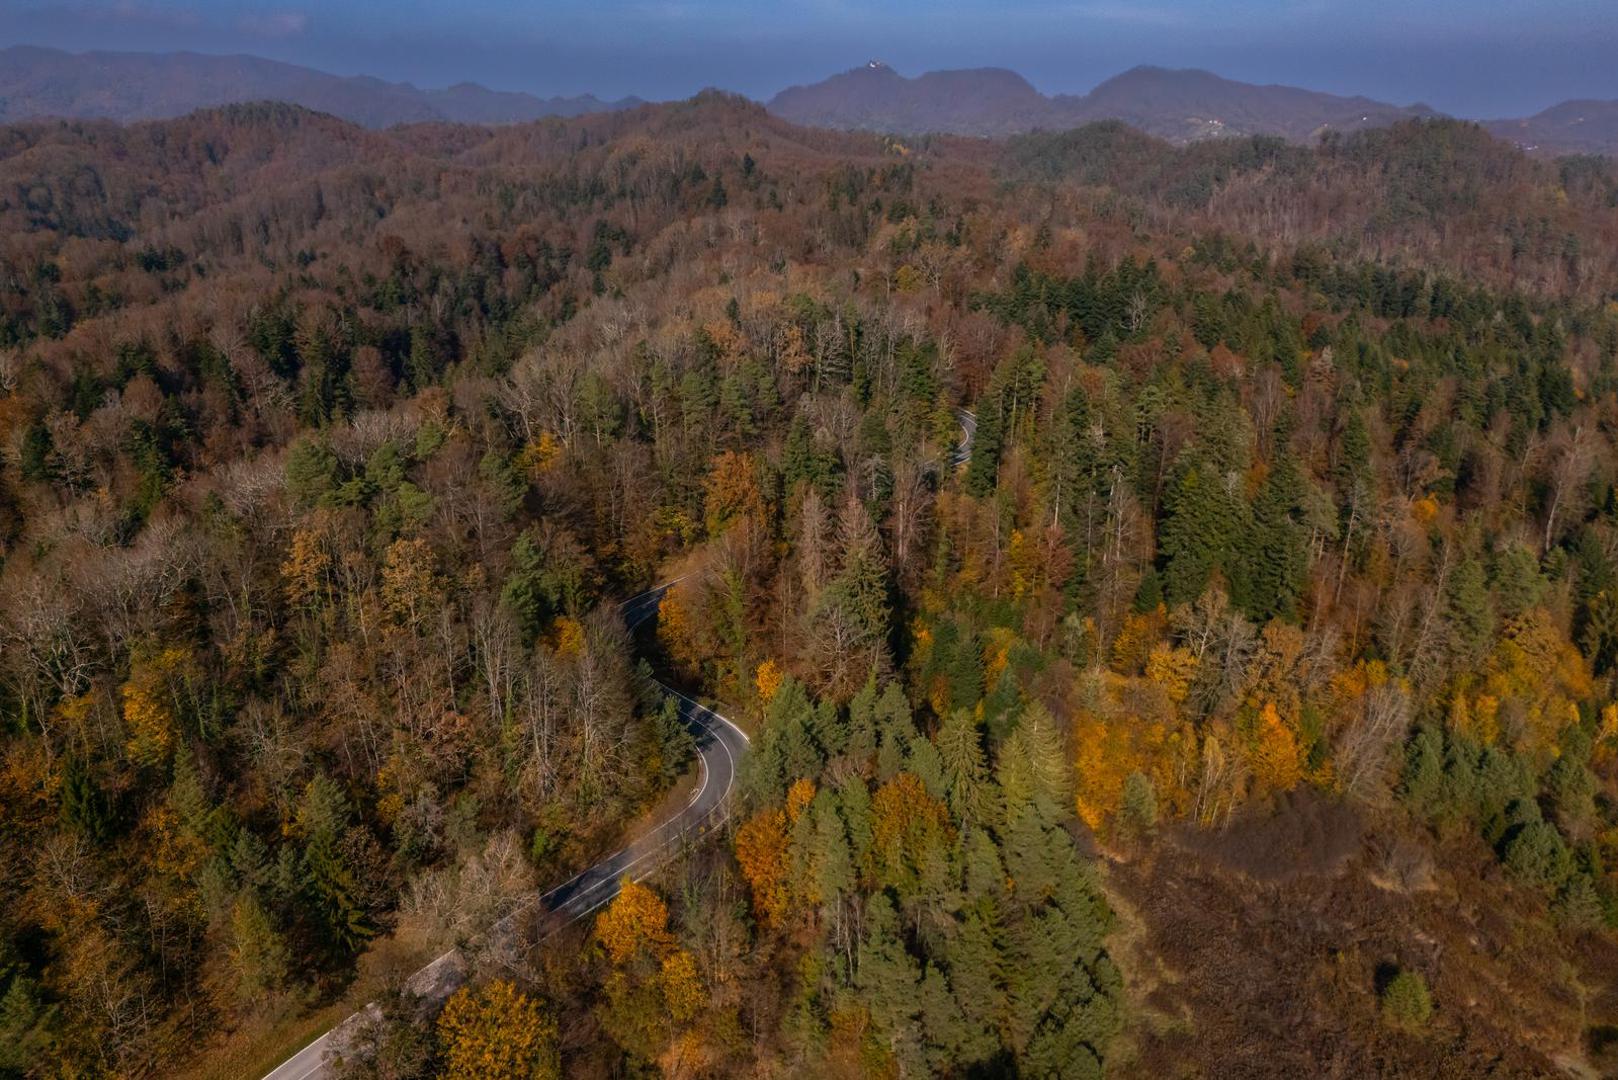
(732, 492)
(1276, 759)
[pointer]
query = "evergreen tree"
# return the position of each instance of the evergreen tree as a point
(1075, 461)
(1202, 519)
(675, 746)
(1063, 992)
(1515, 580)
(983, 468)
(84, 805)
(1469, 611)
(974, 954)
(966, 780)
(887, 977)
(1033, 772)
(326, 878)
(1422, 785)
(1137, 814)
(1268, 577)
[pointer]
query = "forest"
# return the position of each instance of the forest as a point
(1243, 704)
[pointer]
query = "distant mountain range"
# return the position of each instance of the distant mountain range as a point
(149, 86)
(1573, 127)
(1180, 106)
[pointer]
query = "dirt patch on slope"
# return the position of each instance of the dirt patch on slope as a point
(1257, 952)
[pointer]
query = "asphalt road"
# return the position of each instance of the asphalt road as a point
(720, 748)
(969, 428)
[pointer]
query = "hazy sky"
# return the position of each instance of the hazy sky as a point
(1469, 57)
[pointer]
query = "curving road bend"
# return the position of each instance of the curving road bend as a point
(969, 428)
(720, 748)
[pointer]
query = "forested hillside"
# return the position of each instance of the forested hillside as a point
(1243, 705)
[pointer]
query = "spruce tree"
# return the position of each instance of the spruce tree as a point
(1469, 611)
(960, 750)
(1202, 519)
(1272, 560)
(327, 880)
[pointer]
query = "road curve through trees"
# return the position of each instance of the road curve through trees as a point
(969, 428)
(721, 746)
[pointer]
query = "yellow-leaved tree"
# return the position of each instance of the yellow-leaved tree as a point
(761, 851)
(305, 568)
(409, 581)
(682, 986)
(148, 700)
(799, 796)
(768, 680)
(496, 1032)
(908, 827)
(677, 627)
(637, 920)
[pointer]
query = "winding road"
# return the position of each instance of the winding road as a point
(969, 428)
(720, 748)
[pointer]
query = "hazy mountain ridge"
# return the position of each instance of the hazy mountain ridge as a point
(1572, 127)
(1178, 105)
(972, 101)
(36, 82)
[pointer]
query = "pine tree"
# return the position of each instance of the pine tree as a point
(849, 627)
(1353, 462)
(983, 873)
(833, 859)
(1137, 812)
(1063, 991)
(1422, 785)
(675, 746)
(963, 659)
(84, 805)
(854, 805)
(1515, 580)
(983, 468)
(1406, 1001)
(1599, 636)
(922, 759)
(862, 724)
(940, 1021)
(1075, 461)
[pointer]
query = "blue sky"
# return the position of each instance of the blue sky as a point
(1469, 57)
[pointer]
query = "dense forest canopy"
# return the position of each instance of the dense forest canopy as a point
(1243, 702)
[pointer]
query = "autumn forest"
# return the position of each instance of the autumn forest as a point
(1171, 594)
